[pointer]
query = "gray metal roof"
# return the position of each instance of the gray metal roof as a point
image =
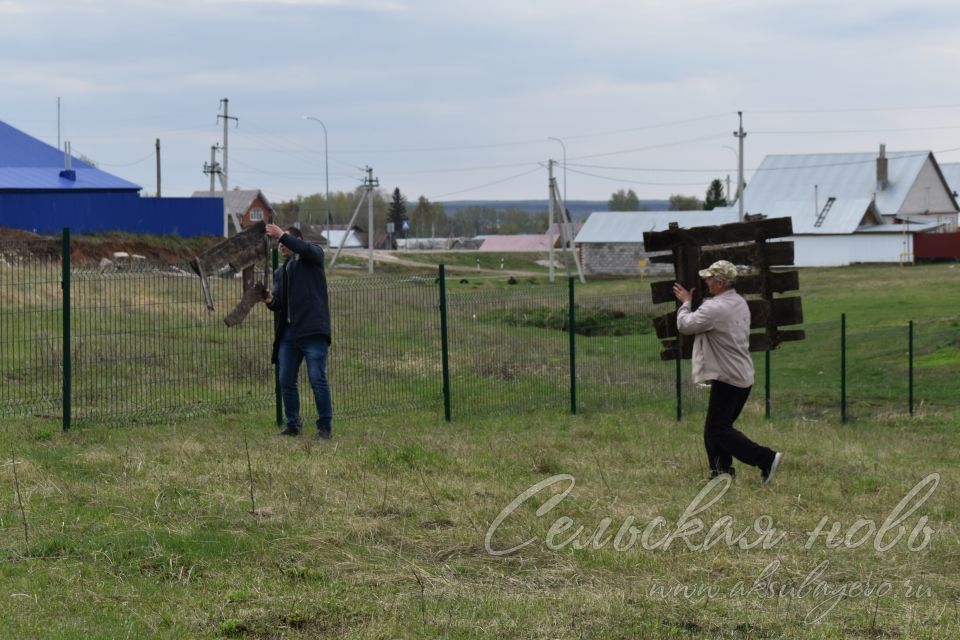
(816, 177)
(951, 173)
(628, 226)
(834, 215)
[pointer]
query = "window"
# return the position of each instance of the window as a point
(256, 215)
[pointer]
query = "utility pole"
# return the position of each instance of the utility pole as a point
(212, 168)
(158, 167)
(740, 134)
(369, 184)
(550, 220)
(225, 174)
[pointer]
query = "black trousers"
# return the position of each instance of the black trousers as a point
(722, 440)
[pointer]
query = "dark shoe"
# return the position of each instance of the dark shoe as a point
(730, 472)
(291, 430)
(766, 475)
(323, 434)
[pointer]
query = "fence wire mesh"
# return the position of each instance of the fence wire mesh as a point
(508, 348)
(144, 347)
(31, 339)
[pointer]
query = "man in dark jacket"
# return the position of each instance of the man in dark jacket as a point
(302, 327)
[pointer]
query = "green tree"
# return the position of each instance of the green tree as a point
(685, 203)
(623, 201)
(474, 221)
(715, 196)
(428, 219)
(514, 221)
(397, 214)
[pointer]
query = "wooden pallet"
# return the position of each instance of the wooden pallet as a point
(742, 243)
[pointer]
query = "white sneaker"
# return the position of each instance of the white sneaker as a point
(768, 474)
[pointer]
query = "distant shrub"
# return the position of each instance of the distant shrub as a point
(590, 321)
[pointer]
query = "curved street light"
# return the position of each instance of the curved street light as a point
(326, 170)
(564, 147)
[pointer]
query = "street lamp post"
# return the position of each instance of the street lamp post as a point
(326, 170)
(564, 147)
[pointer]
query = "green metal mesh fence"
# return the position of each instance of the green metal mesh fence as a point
(385, 356)
(145, 347)
(31, 343)
(508, 350)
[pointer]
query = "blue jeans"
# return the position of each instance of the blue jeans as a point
(291, 354)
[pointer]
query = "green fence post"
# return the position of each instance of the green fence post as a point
(910, 368)
(573, 347)
(843, 367)
(679, 383)
(277, 398)
(67, 360)
(444, 345)
(766, 383)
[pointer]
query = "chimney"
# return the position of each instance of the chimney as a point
(68, 173)
(882, 176)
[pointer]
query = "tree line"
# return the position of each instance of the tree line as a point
(427, 219)
(627, 200)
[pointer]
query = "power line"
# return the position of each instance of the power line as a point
(652, 147)
(489, 184)
(652, 184)
(832, 131)
(855, 109)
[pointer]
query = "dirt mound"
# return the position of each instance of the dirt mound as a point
(18, 244)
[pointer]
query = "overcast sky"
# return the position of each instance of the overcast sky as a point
(457, 100)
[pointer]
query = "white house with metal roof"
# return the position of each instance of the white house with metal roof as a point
(846, 208)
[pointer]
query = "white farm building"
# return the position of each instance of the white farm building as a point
(846, 208)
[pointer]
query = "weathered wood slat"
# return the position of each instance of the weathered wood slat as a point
(777, 254)
(786, 311)
(720, 234)
(780, 282)
(759, 342)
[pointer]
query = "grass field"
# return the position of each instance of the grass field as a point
(214, 527)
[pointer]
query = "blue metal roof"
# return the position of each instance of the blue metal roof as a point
(28, 164)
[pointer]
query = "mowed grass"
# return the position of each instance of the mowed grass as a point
(220, 529)
(217, 528)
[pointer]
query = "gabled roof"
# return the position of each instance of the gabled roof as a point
(810, 177)
(951, 173)
(834, 216)
(29, 164)
(628, 226)
(237, 201)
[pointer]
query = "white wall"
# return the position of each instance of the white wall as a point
(836, 251)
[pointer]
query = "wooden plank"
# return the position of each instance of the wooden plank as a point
(250, 298)
(786, 311)
(662, 291)
(720, 234)
(777, 254)
(780, 282)
(666, 325)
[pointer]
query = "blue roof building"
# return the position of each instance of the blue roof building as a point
(41, 192)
